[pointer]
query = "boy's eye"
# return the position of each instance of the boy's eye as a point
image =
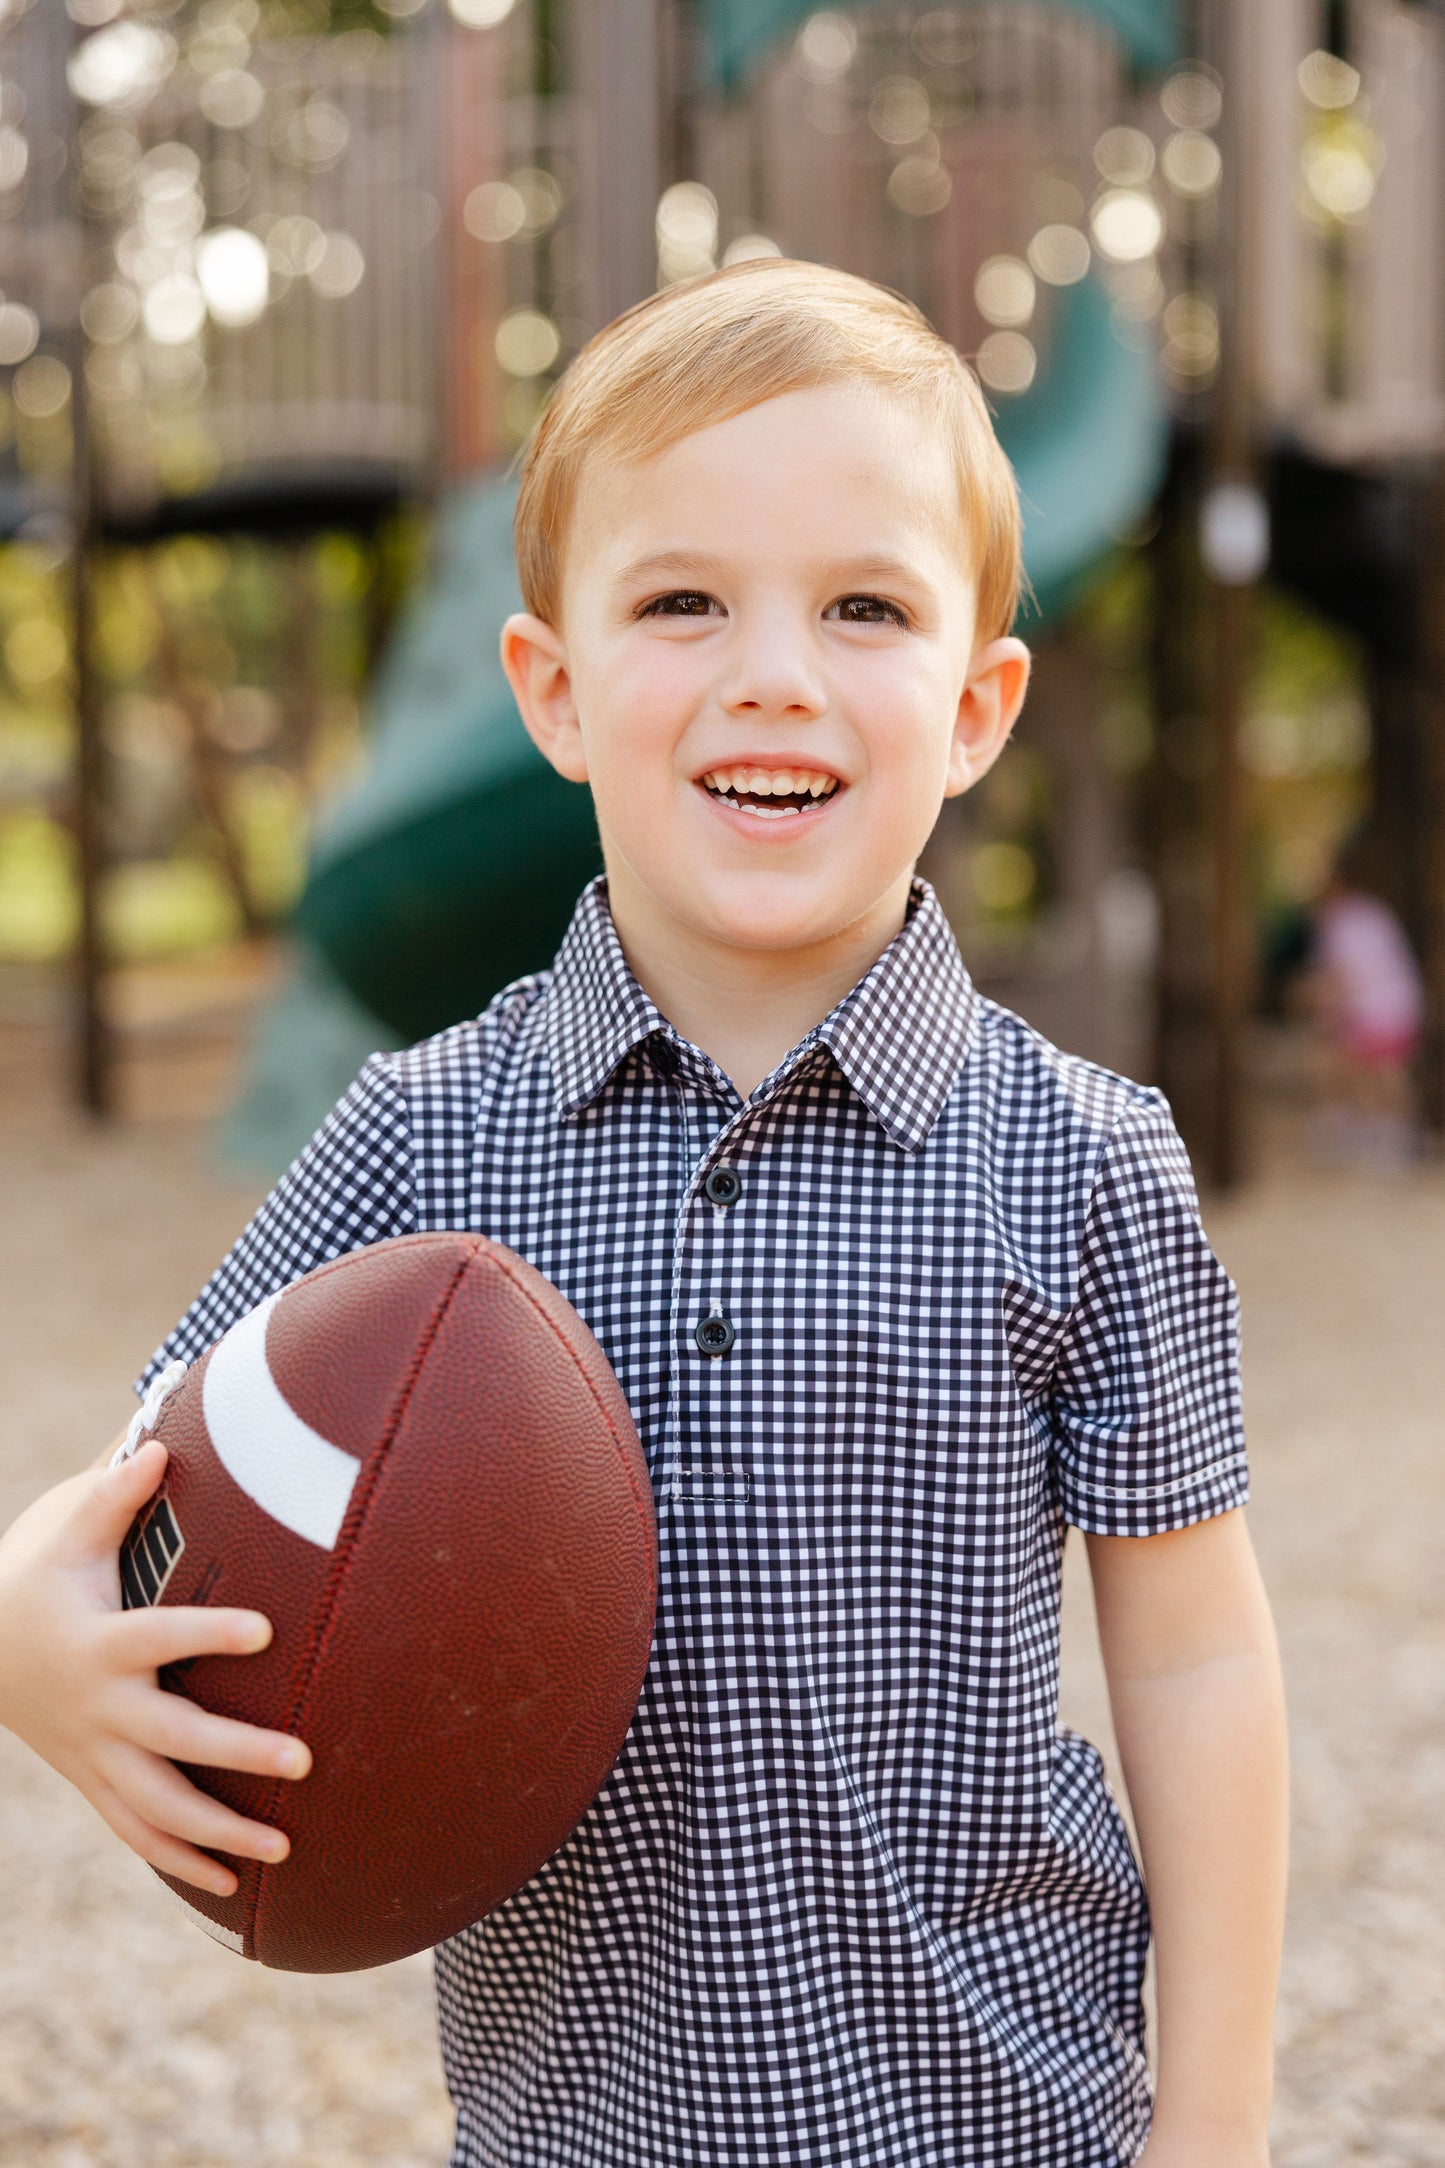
(681, 602)
(866, 610)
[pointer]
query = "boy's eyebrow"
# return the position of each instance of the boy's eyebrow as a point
(696, 564)
(868, 569)
(685, 561)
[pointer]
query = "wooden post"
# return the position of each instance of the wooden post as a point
(1234, 466)
(94, 1050)
(94, 1063)
(1177, 808)
(1232, 624)
(1430, 858)
(614, 69)
(1203, 629)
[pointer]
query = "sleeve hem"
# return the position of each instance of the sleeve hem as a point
(1194, 1478)
(1156, 1509)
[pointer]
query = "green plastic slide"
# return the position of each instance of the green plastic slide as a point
(737, 33)
(454, 863)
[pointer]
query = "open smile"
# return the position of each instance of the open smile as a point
(771, 794)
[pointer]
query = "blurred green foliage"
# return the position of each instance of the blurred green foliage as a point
(230, 677)
(1305, 742)
(38, 914)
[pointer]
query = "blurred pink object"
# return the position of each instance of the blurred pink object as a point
(1375, 999)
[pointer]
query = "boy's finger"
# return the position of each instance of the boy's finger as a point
(111, 1499)
(166, 1724)
(169, 1633)
(159, 1850)
(159, 1795)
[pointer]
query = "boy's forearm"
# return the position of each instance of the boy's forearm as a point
(1194, 1683)
(1205, 1762)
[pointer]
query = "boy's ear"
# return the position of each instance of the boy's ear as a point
(536, 665)
(988, 708)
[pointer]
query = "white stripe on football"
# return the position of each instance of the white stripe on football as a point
(300, 1478)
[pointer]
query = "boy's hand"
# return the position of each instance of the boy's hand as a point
(78, 1680)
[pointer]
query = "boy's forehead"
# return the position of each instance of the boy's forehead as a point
(850, 450)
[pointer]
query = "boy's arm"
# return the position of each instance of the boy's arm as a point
(1194, 1685)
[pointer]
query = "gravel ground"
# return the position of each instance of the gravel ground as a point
(127, 2040)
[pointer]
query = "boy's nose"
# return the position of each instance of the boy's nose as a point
(773, 670)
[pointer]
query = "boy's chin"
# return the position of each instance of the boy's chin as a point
(777, 913)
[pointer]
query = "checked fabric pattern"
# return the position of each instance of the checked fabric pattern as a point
(850, 1895)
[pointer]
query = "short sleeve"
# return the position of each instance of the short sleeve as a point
(1147, 1425)
(353, 1184)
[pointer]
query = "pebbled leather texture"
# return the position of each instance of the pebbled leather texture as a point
(465, 1661)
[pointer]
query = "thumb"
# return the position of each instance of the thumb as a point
(117, 1494)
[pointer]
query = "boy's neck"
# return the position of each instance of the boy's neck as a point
(745, 1007)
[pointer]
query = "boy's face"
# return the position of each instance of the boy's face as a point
(766, 670)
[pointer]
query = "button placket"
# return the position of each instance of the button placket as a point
(715, 1335)
(693, 1475)
(702, 1470)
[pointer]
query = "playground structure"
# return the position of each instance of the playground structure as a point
(291, 284)
(220, 316)
(229, 237)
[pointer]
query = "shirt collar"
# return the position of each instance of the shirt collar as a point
(900, 1036)
(596, 1011)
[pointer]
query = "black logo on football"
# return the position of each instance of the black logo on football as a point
(149, 1555)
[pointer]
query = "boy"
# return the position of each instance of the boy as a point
(895, 1290)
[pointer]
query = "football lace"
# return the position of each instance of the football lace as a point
(147, 1415)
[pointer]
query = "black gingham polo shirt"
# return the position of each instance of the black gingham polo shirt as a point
(850, 1895)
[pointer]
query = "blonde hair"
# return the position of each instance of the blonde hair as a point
(699, 353)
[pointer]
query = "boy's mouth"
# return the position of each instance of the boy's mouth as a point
(770, 793)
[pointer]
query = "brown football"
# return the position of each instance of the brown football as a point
(418, 1464)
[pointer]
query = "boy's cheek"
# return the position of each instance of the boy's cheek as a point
(633, 735)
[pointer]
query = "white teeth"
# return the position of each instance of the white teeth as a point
(771, 783)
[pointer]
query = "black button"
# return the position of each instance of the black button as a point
(714, 1334)
(724, 1184)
